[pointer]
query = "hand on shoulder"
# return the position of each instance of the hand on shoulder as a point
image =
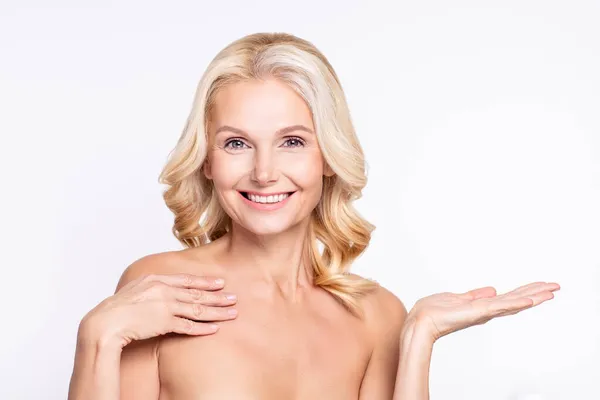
(153, 264)
(155, 296)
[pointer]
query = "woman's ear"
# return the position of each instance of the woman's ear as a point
(327, 171)
(206, 168)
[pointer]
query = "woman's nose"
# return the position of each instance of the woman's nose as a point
(264, 170)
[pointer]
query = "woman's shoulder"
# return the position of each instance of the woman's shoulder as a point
(187, 261)
(382, 308)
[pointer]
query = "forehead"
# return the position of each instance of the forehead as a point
(257, 106)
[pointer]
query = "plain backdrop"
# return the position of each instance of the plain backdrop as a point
(480, 123)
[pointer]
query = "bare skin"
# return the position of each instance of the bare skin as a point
(310, 346)
(124, 325)
(170, 366)
(304, 347)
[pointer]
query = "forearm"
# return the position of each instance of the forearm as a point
(412, 379)
(96, 372)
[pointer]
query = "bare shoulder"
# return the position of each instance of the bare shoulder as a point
(157, 263)
(195, 261)
(383, 309)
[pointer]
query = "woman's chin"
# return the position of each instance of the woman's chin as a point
(269, 228)
(263, 230)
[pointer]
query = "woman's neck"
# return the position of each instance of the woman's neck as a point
(279, 261)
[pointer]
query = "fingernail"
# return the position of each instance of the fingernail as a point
(213, 327)
(219, 281)
(231, 297)
(232, 311)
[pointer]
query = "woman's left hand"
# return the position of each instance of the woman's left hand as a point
(444, 313)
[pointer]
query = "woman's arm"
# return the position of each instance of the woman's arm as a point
(96, 370)
(399, 365)
(384, 316)
(440, 314)
(104, 369)
(400, 362)
(416, 347)
(116, 356)
(138, 368)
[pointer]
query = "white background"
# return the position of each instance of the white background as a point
(480, 122)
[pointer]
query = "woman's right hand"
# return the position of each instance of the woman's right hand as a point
(154, 305)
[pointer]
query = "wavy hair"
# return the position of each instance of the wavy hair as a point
(335, 224)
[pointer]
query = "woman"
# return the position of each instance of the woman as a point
(269, 164)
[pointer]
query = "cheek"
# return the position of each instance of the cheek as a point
(227, 169)
(306, 171)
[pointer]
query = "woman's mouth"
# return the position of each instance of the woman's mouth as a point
(267, 198)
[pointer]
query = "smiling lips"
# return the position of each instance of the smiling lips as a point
(266, 202)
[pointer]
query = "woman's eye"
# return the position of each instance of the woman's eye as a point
(294, 142)
(235, 144)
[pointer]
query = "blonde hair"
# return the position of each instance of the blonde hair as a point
(335, 224)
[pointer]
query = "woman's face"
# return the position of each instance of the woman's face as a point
(263, 158)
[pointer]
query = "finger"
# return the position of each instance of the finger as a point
(512, 306)
(480, 293)
(521, 289)
(539, 298)
(192, 295)
(536, 301)
(502, 307)
(188, 327)
(200, 312)
(187, 281)
(532, 289)
(515, 293)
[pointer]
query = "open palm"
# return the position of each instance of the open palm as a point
(445, 313)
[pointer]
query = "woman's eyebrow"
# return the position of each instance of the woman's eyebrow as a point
(281, 131)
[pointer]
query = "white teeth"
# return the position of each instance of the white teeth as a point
(267, 199)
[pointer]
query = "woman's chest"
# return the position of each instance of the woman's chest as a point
(270, 357)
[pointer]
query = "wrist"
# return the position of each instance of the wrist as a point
(91, 335)
(419, 326)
